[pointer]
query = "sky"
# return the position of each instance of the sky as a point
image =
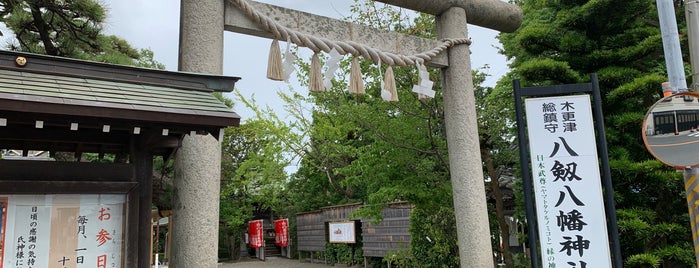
(154, 24)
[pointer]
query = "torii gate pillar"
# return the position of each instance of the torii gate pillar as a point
(198, 161)
(472, 228)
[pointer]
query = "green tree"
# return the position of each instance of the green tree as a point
(376, 151)
(68, 28)
(363, 149)
(562, 42)
(496, 132)
(359, 148)
(253, 177)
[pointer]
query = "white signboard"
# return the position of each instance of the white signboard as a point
(341, 232)
(72, 231)
(567, 185)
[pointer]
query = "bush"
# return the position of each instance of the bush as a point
(344, 253)
(644, 260)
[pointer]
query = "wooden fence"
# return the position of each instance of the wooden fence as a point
(377, 240)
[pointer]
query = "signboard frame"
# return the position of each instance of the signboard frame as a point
(559, 90)
(567, 190)
(76, 230)
(342, 232)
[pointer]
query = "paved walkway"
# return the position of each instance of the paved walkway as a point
(273, 262)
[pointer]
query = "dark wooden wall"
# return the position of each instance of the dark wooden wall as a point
(389, 235)
(310, 231)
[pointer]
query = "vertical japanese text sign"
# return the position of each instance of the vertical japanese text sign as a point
(281, 229)
(69, 231)
(255, 233)
(567, 188)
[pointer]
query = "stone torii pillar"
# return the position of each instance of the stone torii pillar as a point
(460, 114)
(460, 117)
(198, 162)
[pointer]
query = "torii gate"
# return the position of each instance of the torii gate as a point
(202, 24)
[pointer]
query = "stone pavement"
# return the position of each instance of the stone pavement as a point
(273, 262)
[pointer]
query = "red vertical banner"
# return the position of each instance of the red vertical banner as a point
(281, 230)
(255, 233)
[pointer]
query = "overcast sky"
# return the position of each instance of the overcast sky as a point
(154, 24)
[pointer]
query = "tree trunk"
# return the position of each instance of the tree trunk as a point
(234, 246)
(43, 30)
(499, 208)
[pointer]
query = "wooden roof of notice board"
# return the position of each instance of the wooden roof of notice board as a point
(61, 92)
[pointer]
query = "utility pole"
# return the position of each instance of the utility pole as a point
(690, 174)
(671, 44)
(692, 16)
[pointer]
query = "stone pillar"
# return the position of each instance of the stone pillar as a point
(463, 144)
(198, 161)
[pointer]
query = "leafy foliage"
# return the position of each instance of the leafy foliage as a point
(363, 149)
(371, 151)
(69, 28)
(253, 171)
(643, 261)
(432, 240)
(562, 42)
(253, 164)
(347, 254)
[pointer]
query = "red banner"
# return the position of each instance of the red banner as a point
(255, 233)
(281, 231)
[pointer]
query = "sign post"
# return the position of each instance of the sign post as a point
(691, 186)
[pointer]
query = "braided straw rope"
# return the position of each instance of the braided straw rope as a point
(344, 47)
